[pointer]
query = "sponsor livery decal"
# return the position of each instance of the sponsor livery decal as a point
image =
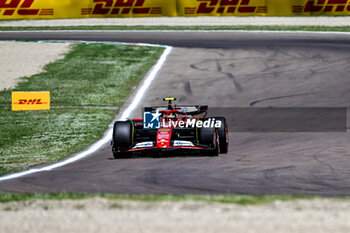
(22, 8)
(120, 7)
(143, 144)
(183, 143)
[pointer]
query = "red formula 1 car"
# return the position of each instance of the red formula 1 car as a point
(171, 130)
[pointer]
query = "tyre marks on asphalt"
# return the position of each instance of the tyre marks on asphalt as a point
(187, 88)
(276, 98)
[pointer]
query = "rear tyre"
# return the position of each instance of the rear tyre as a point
(223, 134)
(122, 138)
(209, 137)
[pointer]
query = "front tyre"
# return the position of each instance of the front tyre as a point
(209, 137)
(223, 134)
(122, 138)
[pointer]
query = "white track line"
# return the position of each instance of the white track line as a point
(146, 84)
(136, 100)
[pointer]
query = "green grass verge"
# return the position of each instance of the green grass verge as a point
(178, 28)
(7, 170)
(228, 199)
(95, 75)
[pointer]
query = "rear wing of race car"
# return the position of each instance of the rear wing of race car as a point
(189, 110)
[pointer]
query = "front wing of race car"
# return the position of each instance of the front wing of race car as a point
(176, 147)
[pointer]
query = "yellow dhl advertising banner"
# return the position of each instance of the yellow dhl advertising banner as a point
(54, 9)
(39, 9)
(24, 101)
(221, 7)
(130, 8)
(320, 7)
(262, 7)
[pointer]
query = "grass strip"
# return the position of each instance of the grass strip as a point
(94, 75)
(228, 199)
(181, 28)
(7, 170)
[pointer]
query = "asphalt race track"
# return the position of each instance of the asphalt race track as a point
(226, 69)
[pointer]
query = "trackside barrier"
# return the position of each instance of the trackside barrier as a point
(54, 9)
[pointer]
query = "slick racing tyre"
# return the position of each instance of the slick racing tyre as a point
(209, 137)
(223, 134)
(122, 138)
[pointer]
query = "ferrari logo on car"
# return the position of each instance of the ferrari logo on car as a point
(151, 120)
